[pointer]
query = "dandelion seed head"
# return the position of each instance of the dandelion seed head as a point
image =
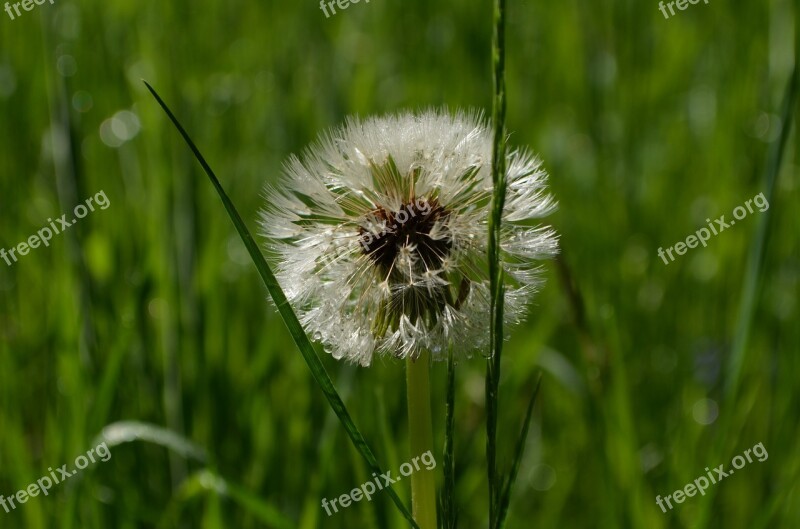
(380, 234)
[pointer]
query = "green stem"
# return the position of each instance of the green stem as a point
(420, 431)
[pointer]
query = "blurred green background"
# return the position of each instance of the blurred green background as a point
(150, 312)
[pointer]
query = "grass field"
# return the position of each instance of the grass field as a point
(145, 324)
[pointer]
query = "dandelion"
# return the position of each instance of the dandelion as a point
(380, 235)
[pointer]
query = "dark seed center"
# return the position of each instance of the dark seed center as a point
(411, 225)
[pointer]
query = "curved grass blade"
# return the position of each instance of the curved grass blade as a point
(287, 314)
(505, 495)
(128, 431)
(123, 432)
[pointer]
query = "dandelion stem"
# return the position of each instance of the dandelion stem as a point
(420, 427)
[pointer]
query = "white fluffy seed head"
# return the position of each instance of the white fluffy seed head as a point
(380, 235)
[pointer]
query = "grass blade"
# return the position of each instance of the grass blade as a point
(758, 249)
(448, 494)
(287, 314)
(753, 278)
(505, 495)
(495, 271)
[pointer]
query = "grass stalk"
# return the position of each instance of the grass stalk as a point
(495, 271)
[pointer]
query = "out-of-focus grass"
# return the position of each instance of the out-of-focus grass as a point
(150, 310)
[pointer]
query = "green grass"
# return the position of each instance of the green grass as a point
(151, 311)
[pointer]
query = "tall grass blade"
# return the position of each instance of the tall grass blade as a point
(505, 495)
(287, 314)
(755, 260)
(753, 278)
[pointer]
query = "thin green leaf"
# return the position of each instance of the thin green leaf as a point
(505, 497)
(287, 314)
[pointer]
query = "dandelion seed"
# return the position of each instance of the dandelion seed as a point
(380, 233)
